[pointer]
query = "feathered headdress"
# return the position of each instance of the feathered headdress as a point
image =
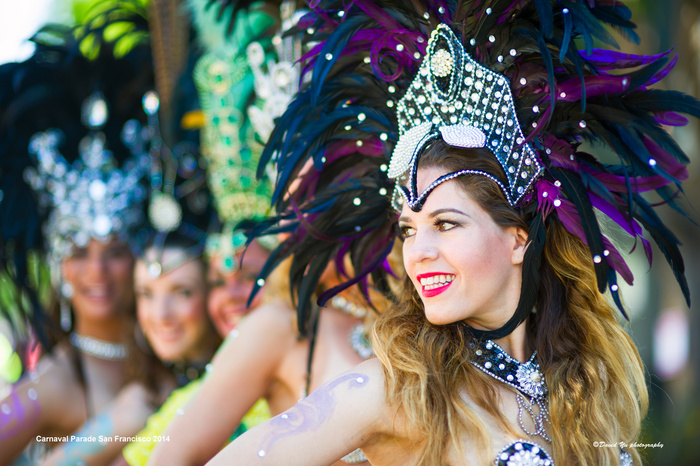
(522, 78)
(73, 154)
(245, 79)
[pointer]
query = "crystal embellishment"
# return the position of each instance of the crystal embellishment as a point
(523, 453)
(530, 379)
(467, 105)
(91, 197)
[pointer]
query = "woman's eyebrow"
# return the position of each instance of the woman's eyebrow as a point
(437, 212)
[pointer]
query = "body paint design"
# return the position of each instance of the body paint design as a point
(15, 415)
(310, 413)
(88, 441)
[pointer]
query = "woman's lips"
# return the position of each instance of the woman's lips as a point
(432, 284)
(96, 293)
(167, 334)
(232, 317)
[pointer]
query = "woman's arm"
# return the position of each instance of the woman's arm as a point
(346, 413)
(45, 404)
(101, 439)
(242, 372)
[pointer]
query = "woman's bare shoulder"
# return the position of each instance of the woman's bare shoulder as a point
(271, 325)
(260, 341)
(54, 381)
(275, 315)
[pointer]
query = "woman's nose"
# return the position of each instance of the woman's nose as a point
(421, 248)
(161, 308)
(236, 287)
(97, 265)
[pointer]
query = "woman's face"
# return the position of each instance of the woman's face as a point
(463, 265)
(229, 291)
(101, 275)
(171, 309)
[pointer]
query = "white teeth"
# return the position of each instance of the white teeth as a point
(97, 292)
(436, 281)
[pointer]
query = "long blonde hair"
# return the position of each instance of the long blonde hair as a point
(597, 390)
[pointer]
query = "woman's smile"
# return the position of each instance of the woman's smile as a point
(432, 284)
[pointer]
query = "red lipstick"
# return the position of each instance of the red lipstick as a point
(429, 293)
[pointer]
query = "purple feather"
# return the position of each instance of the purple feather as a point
(547, 193)
(571, 89)
(617, 262)
(670, 118)
(663, 72)
(568, 215)
(618, 184)
(665, 160)
(613, 60)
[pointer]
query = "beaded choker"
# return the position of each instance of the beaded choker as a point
(525, 377)
(349, 308)
(186, 372)
(98, 348)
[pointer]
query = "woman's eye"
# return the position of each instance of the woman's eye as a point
(117, 252)
(142, 294)
(185, 292)
(78, 253)
(445, 225)
(406, 231)
(250, 277)
(216, 283)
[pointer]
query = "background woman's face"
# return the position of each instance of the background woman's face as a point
(171, 309)
(101, 275)
(229, 291)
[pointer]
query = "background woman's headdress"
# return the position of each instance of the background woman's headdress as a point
(379, 85)
(179, 201)
(73, 155)
(245, 79)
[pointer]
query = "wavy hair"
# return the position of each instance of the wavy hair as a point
(595, 377)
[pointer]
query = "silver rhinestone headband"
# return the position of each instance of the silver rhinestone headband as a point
(92, 197)
(466, 105)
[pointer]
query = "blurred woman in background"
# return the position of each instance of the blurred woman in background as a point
(72, 177)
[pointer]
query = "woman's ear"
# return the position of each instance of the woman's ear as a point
(519, 245)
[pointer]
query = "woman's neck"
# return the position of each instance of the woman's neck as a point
(112, 329)
(516, 344)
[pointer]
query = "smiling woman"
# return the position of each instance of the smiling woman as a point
(453, 247)
(505, 346)
(230, 289)
(100, 277)
(172, 308)
(74, 190)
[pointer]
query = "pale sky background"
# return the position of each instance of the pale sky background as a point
(19, 20)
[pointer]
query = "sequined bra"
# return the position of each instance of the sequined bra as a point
(526, 453)
(523, 453)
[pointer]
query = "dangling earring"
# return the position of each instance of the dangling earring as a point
(66, 294)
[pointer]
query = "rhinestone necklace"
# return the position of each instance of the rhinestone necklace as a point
(347, 307)
(360, 341)
(98, 348)
(525, 377)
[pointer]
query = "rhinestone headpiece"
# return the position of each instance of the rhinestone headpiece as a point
(467, 105)
(176, 181)
(92, 197)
